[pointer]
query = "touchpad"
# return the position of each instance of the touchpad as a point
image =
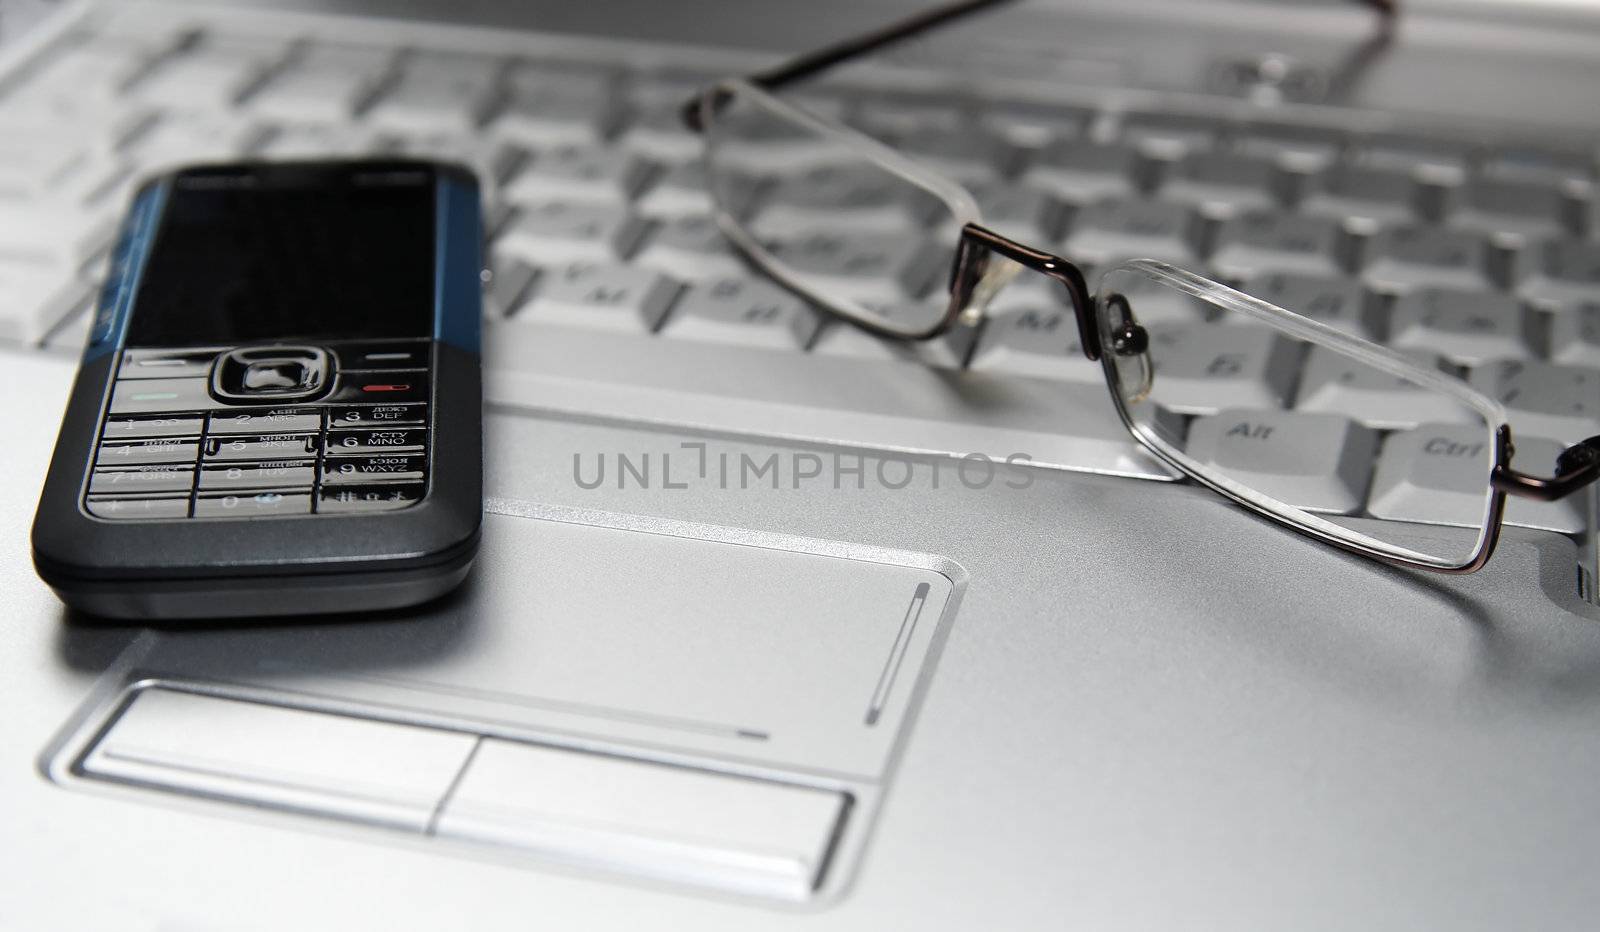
(687, 649)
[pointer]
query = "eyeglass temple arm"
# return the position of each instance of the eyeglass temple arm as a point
(820, 60)
(812, 62)
(1575, 468)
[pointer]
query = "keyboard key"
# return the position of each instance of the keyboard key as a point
(1434, 160)
(1205, 368)
(1030, 125)
(375, 440)
(964, 153)
(325, 84)
(319, 141)
(950, 350)
(1402, 258)
(1560, 272)
(509, 279)
(141, 479)
(142, 452)
(849, 197)
(207, 79)
(138, 428)
(549, 106)
(1439, 474)
(1020, 212)
(199, 137)
(607, 297)
(745, 312)
(367, 499)
(259, 505)
(489, 159)
(1337, 384)
(1222, 184)
(1156, 305)
(578, 173)
(1319, 462)
(657, 131)
(1538, 165)
(436, 93)
(1362, 197)
(1260, 242)
(34, 299)
(565, 231)
(1328, 299)
(1513, 210)
(1111, 229)
(254, 476)
(1468, 326)
(1076, 171)
(885, 268)
(681, 189)
(1035, 342)
(264, 447)
(1543, 399)
(1298, 149)
(690, 248)
(1575, 336)
(1168, 136)
(138, 509)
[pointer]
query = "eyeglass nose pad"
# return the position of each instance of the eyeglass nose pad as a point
(1128, 339)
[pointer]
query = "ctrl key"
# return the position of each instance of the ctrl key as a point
(363, 499)
(138, 509)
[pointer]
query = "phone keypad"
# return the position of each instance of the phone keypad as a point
(169, 450)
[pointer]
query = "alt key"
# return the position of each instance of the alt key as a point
(362, 499)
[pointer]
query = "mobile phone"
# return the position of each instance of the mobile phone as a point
(279, 407)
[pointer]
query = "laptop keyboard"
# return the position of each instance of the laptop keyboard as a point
(614, 295)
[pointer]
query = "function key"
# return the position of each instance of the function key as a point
(269, 447)
(137, 428)
(345, 470)
(135, 509)
(141, 479)
(140, 452)
(359, 499)
(369, 415)
(292, 475)
(407, 355)
(395, 387)
(270, 420)
(264, 504)
(166, 364)
(151, 396)
(381, 440)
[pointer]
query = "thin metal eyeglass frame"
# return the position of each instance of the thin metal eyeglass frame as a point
(1578, 466)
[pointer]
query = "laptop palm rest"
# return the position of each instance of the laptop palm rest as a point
(697, 705)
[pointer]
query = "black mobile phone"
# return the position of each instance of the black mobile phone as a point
(279, 407)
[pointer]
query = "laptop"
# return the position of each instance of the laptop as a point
(778, 624)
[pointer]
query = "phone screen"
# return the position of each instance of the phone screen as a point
(286, 253)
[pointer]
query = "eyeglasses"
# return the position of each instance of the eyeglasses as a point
(1173, 347)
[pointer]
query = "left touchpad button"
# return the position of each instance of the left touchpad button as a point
(280, 758)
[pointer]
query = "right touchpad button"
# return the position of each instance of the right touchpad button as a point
(674, 823)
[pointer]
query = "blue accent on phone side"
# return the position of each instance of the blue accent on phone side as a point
(134, 242)
(458, 252)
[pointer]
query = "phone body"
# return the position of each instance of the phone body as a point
(278, 410)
